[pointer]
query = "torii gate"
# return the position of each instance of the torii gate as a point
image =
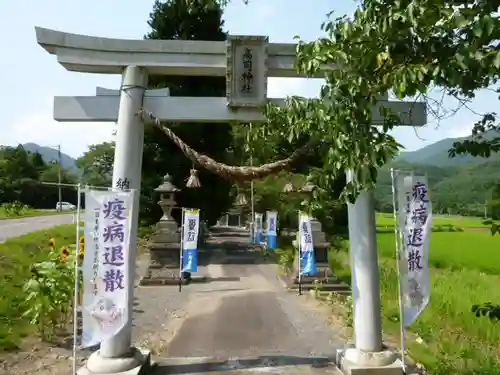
(246, 62)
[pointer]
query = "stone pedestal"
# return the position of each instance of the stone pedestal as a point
(164, 254)
(320, 245)
(353, 361)
(325, 275)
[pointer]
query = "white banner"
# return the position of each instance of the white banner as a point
(307, 256)
(415, 225)
(189, 248)
(271, 222)
(105, 266)
(191, 229)
(306, 241)
(258, 222)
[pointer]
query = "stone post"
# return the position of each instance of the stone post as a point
(115, 354)
(368, 355)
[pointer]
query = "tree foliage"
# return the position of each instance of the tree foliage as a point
(21, 177)
(403, 47)
(97, 164)
(171, 20)
(495, 203)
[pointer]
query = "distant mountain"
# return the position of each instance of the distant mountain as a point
(437, 154)
(50, 155)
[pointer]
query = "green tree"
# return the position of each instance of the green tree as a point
(97, 164)
(323, 202)
(494, 206)
(172, 20)
(49, 194)
(16, 173)
(21, 177)
(406, 48)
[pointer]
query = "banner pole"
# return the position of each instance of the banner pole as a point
(181, 255)
(299, 254)
(77, 280)
(398, 243)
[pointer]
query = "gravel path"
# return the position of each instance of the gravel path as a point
(158, 311)
(244, 313)
(243, 320)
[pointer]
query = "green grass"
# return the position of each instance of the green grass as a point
(387, 221)
(16, 257)
(30, 213)
(454, 340)
(465, 268)
(476, 251)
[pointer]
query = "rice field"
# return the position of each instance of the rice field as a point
(385, 220)
(465, 271)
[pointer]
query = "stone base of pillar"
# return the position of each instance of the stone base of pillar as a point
(138, 362)
(355, 362)
(164, 267)
(324, 280)
(163, 264)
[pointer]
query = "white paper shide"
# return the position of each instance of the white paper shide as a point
(105, 267)
(415, 228)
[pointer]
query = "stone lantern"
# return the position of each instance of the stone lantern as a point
(240, 204)
(165, 243)
(167, 201)
(233, 216)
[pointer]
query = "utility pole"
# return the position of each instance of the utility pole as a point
(59, 173)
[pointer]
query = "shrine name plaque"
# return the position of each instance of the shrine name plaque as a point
(246, 71)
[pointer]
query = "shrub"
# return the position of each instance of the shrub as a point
(15, 208)
(286, 257)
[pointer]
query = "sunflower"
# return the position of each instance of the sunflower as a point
(52, 243)
(64, 254)
(82, 241)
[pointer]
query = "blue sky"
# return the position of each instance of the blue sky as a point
(31, 77)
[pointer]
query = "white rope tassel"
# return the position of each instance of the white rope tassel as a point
(193, 181)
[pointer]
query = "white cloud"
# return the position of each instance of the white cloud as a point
(283, 87)
(41, 128)
(457, 131)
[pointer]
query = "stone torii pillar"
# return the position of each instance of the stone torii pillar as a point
(246, 62)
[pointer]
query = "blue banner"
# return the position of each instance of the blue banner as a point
(271, 230)
(308, 264)
(190, 261)
(272, 242)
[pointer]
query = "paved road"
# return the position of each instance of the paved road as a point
(241, 322)
(18, 227)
